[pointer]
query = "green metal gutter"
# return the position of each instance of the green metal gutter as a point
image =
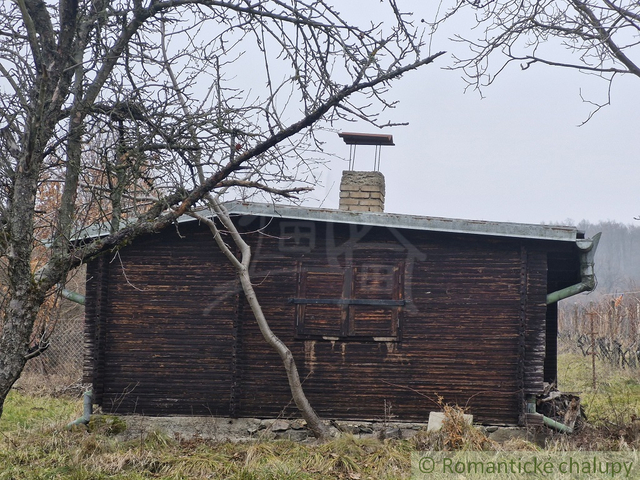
(587, 249)
(73, 296)
(561, 427)
(549, 422)
(87, 411)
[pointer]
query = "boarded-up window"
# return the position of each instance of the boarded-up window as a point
(357, 301)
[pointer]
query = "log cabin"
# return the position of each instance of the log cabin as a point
(387, 315)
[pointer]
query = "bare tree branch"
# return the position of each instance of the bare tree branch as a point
(320, 430)
(594, 36)
(130, 114)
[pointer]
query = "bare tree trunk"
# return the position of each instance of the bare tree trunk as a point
(23, 295)
(319, 429)
(14, 343)
(72, 69)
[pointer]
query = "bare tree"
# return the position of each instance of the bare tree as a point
(600, 37)
(136, 112)
(242, 266)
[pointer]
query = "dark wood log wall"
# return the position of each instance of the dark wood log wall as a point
(535, 315)
(167, 327)
(95, 307)
(563, 270)
(169, 333)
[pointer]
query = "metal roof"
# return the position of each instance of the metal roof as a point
(389, 220)
(412, 222)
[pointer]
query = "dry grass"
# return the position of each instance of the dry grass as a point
(455, 434)
(42, 447)
(612, 407)
(35, 444)
(61, 384)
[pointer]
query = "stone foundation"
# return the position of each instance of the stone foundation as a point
(246, 429)
(251, 429)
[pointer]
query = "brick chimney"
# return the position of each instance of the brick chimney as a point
(362, 191)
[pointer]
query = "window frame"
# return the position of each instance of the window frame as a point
(346, 327)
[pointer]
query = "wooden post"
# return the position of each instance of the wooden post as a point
(593, 346)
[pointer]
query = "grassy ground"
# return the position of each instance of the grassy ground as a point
(35, 444)
(26, 412)
(614, 403)
(616, 394)
(43, 449)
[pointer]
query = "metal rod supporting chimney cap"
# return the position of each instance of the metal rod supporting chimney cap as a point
(376, 139)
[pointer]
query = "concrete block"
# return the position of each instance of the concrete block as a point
(436, 419)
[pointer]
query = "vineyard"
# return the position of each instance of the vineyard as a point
(608, 327)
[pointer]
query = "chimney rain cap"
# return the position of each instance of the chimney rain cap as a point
(366, 138)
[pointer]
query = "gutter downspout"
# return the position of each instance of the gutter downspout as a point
(587, 249)
(561, 427)
(73, 296)
(549, 422)
(86, 411)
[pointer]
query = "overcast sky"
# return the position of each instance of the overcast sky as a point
(517, 155)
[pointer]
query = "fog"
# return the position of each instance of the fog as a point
(518, 154)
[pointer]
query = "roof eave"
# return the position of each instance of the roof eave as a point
(388, 220)
(411, 222)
